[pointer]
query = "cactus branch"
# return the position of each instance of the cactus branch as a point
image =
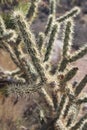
(2, 27)
(29, 44)
(53, 7)
(61, 105)
(68, 15)
(81, 85)
(40, 40)
(51, 41)
(82, 100)
(49, 25)
(67, 37)
(79, 54)
(11, 52)
(79, 123)
(31, 14)
(68, 76)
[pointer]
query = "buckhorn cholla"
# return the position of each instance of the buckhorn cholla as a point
(35, 74)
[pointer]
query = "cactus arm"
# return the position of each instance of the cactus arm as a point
(79, 54)
(49, 25)
(72, 114)
(78, 124)
(51, 41)
(53, 7)
(41, 37)
(51, 17)
(51, 20)
(76, 56)
(68, 15)
(67, 37)
(23, 65)
(82, 100)
(48, 99)
(81, 85)
(62, 65)
(70, 74)
(61, 105)
(59, 125)
(2, 27)
(11, 52)
(66, 45)
(31, 14)
(29, 44)
(67, 109)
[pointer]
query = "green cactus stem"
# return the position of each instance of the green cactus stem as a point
(67, 37)
(81, 85)
(2, 27)
(79, 123)
(53, 7)
(68, 15)
(79, 54)
(62, 65)
(49, 25)
(51, 41)
(31, 14)
(68, 77)
(82, 100)
(11, 52)
(61, 105)
(40, 40)
(29, 44)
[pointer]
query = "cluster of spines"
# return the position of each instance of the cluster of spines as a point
(68, 101)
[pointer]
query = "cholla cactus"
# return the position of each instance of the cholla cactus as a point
(32, 74)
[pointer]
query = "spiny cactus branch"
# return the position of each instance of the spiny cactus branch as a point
(29, 44)
(82, 100)
(49, 25)
(11, 52)
(79, 123)
(61, 105)
(81, 86)
(40, 40)
(67, 37)
(79, 54)
(63, 64)
(31, 14)
(2, 27)
(68, 15)
(68, 77)
(51, 41)
(53, 7)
